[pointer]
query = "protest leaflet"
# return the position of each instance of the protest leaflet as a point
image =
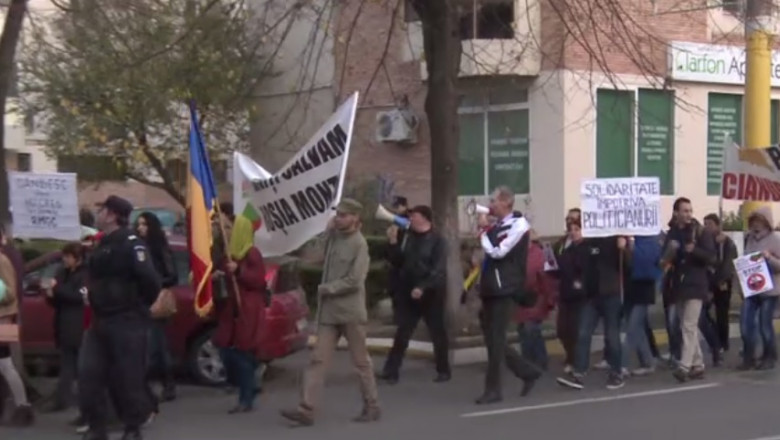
(44, 205)
(753, 274)
(621, 206)
(290, 207)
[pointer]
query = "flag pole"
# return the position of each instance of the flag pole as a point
(226, 248)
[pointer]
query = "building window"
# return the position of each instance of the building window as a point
(494, 148)
(635, 135)
(487, 19)
(725, 115)
(733, 7)
(24, 162)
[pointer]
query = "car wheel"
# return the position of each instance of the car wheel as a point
(204, 361)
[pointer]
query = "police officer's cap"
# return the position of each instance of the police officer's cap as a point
(118, 206)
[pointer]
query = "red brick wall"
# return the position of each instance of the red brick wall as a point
(407, 166)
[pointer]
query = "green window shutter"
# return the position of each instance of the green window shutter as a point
(773, 121)
(508, 150)
(614, 133)
(471, 155)
(655, 142)
(724, 115)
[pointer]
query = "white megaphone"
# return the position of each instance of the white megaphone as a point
(383, 214)
(474, 208)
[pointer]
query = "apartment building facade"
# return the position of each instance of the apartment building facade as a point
(545, 104)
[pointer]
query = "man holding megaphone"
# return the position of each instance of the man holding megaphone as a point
(399, 218)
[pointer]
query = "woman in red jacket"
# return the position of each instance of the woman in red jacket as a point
(240, 318)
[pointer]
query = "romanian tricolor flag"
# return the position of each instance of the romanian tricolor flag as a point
(201, 198)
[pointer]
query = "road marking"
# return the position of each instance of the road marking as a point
(776, 437)
(593, 400)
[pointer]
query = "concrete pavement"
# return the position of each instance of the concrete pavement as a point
(725, 406)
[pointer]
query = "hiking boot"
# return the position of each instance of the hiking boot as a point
(368, 415)
(22, 417)
(572, 380)
(298, 417)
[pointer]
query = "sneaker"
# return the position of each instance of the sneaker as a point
(298, 417)
(149, 420)
(82, 429)
(681, 374)
(624, 372)
(603, 365)
(696, 373)
(643, 371)
(571, 380)
(568, 369)
(615, 382)
(368, 415)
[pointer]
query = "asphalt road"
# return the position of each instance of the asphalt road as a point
(726, 406)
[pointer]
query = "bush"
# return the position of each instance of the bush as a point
(376, 283)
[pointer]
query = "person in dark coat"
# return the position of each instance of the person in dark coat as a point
(401, 208)
(690, 252)
(66, 294)
(571, 298)
(150, 229)
(722, 277)
(602, 282)
(422, 259)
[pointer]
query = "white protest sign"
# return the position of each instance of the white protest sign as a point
(753, 274)
(550, 262)
(295, 204)
(44, 205)
(621, 206)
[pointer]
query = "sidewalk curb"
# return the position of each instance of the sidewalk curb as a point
(478, 354)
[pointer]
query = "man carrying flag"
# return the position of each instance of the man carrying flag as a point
(201, 196)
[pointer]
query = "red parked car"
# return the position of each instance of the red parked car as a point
(188, 335)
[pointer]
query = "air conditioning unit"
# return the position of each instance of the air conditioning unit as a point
(397, 125)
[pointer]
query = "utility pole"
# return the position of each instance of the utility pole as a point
(758, 81)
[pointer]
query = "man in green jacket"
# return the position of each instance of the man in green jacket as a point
(341, 311)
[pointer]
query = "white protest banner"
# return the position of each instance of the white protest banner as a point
(751, 173)
(753, 274)
(621, 206)
(44, 205)
(292, 206)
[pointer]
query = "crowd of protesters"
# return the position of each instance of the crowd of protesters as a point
(612, 281)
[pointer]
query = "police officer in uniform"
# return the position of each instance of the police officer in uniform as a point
(122, 285)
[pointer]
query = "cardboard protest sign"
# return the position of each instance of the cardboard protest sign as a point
(621, 206)
(753, 274)
(290, 207)
(44, 205)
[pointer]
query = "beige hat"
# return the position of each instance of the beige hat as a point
(350, 206)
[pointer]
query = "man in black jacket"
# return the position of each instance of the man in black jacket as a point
(422, 261)
(395, 286)
(602, 285)
(122, 285)
(502, 285)
(690, 252)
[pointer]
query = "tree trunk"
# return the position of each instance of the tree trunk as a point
(442, 45)
(8, 41)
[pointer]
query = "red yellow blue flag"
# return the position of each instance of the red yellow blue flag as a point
(201, 198)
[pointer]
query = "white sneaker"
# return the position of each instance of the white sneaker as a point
(82, 429)
(603, 365)
(643, 371)
(625, 373)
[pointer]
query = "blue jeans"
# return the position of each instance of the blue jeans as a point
(532, 343)
(636, 337)
(674, 331)
(608, 308)
(240, 367)
(763, 307)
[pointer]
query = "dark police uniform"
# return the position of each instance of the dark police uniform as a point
(122, 285)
